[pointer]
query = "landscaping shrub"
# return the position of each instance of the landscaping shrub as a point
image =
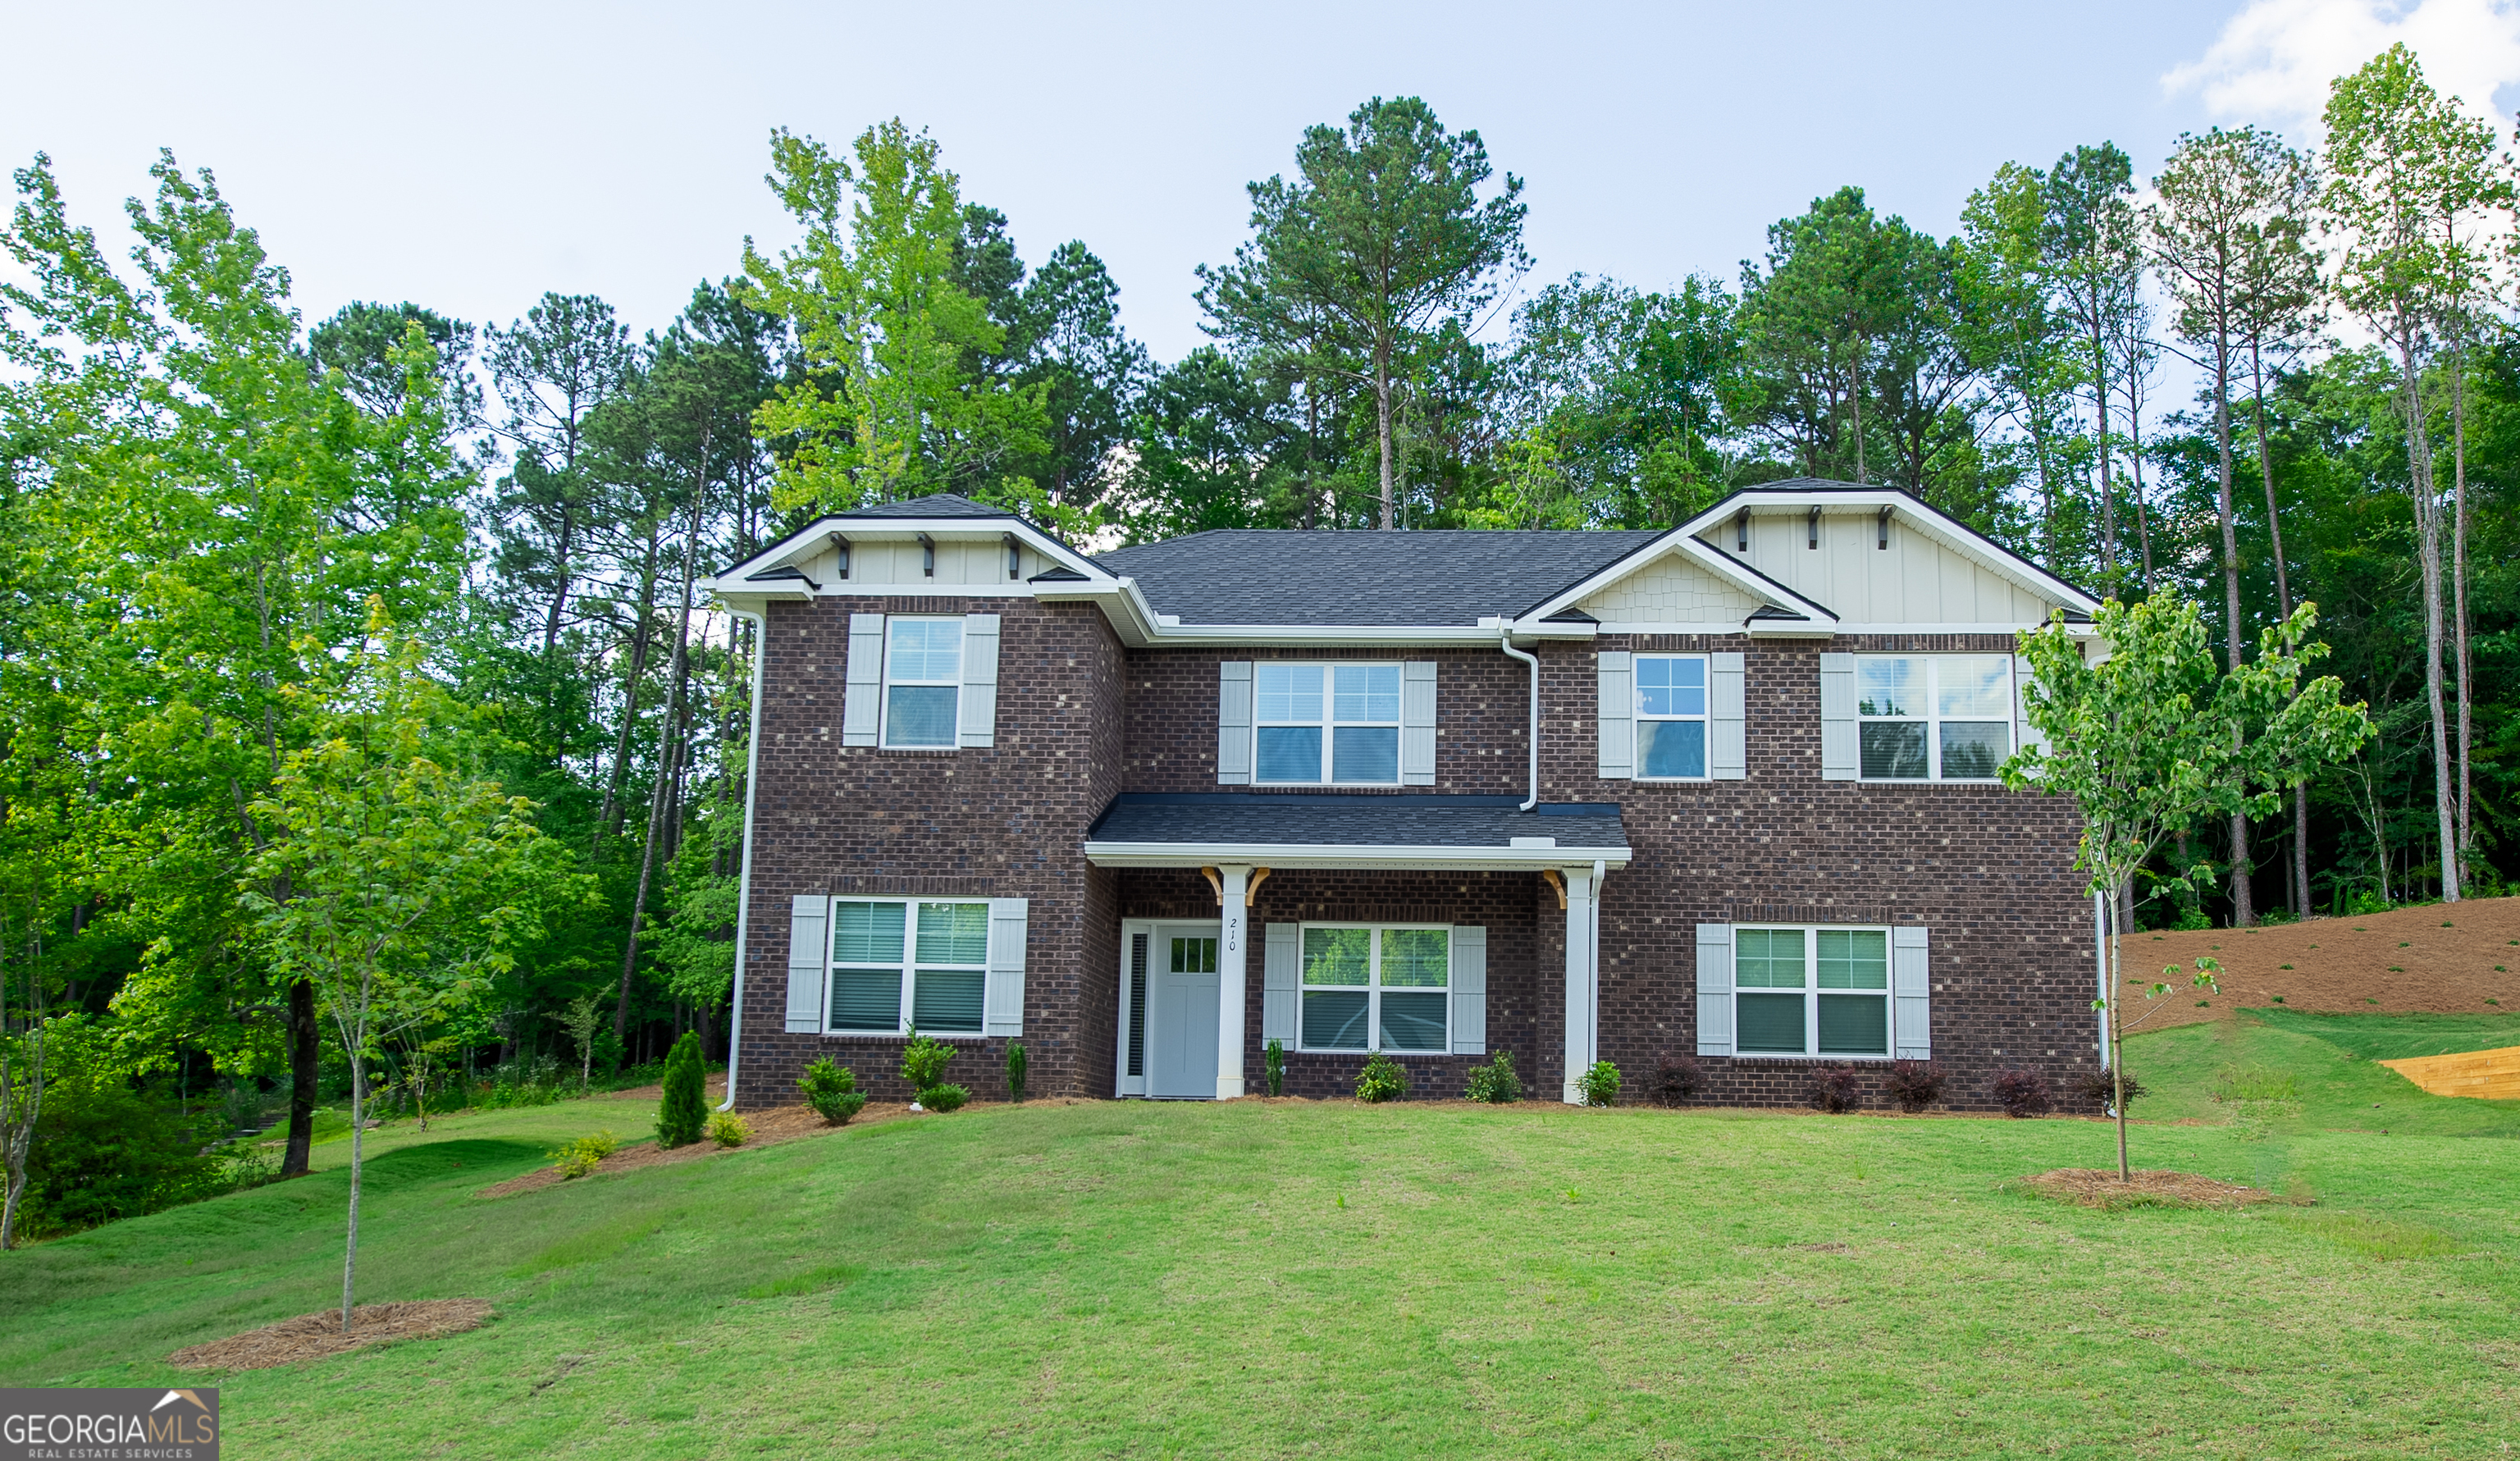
(1381, 1079)
(922, 1064)
(1914, 1084)
(1274, 1061)
(1834, 1089)
(578, 1158)
(2095, 1091)
(1678, 1078)
(831, 1089)
(728, 1130)
(943, 1098)
(1600, 1084)
(2022, 1093)
(102, 1152)
(683, 1110)
(1015, 1064)
(1495, 1082)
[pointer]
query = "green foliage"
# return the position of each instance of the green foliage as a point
(946, 1097)
(728, 1130)
(103, 1153)
(1383, 1080)
(1600, 1085)
(831, 1089)
(923, 1060)
(1273, 1064)
(1495, 1082)
(683, 1109)
(575, 1159)
(1015, 1065)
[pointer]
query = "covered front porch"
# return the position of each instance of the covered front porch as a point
(1437, 929)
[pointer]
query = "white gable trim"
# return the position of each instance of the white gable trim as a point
(1681, 543)
(1913, 515)
(816, 538)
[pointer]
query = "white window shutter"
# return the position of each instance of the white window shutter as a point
(1912, 1018)
(1234, 724)
(1469, 990)
(809, 943)
(1715, 989)
(1728, 741)
(1002, 994)
(1281, 962)
(1418, 723)
(1837, 745)
(862, 709)
(980, 679)
(2025, 734)
(1618, 716)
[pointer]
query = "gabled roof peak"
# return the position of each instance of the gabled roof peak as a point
(935, 505)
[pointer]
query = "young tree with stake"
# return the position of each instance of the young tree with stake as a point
(2149, 742)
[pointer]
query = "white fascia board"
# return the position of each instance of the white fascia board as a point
(817, 535)
(1682, 542)
(1783, 628)
(1140, 626)
(1916, 516)
(1329, 856)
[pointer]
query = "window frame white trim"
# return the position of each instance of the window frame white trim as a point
(831, 967)
(1372, 987)
(1639, 717)
(884, 689)
(1330, 721)
(1932, 719)
(1812, 991)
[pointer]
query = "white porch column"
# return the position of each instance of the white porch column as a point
(1229, 952)
(1583, 977)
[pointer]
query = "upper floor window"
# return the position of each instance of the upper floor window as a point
(1934, 718)
(1671, 715)
(1333, 723)
(922, 682)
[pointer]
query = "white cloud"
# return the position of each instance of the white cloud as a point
(2272, 61)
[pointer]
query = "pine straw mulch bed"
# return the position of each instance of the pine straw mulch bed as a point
(2086, 1187)
(317, 1334)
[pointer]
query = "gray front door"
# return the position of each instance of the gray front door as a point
(1182, 1014)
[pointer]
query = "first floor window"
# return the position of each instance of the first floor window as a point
(895, 964)
(922, 682)
(1933, 718)
(1368, 987)
(1810, 991)
(1671, 716)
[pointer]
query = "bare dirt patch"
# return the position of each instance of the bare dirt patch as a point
(2156, 1187)
(769, 1128)
(317, 1334)
(2346, 965)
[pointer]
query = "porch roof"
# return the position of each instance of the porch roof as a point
(1404, 831)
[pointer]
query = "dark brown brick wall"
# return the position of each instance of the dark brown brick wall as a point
(1007, 821)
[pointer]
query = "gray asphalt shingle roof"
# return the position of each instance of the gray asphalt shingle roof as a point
(940, 505)
(1352, 821)
(1270, 577)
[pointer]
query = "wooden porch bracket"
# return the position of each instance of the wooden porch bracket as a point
(1557, 881)
(1251, 889)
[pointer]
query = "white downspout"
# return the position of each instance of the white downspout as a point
(743, 878)
(1505, 642)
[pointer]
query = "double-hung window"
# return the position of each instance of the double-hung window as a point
(1368, 987)
(1933, 718)
(922, 682)
(1810, 991)
(898, 962)
(1337, 724)
(1671, 716)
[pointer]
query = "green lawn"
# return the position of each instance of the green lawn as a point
(1159, 1280)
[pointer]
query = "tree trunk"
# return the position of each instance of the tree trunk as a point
(2108, 497)
(358, 1138)
(2242, 914)
(665, 757)
(1382, 413)
(305, 1068)
(2458, 594)
(608, 822)
(2428, 545)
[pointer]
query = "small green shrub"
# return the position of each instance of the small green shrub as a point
(728, 1130)
(831, 1089)
(1016, 1069)
(923, 1061)
(683, 1110)
(1381, 1079)
(943, 1098)
(1274, 1062)
(1495, 1082)
(1600, 1085)
(578, 1158)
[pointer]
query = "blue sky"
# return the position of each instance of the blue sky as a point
(469, 157)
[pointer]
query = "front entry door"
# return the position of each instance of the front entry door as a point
(1182, 1003)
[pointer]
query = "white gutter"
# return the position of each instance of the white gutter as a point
(1325, 856)
(1505, 642)
(743, 878)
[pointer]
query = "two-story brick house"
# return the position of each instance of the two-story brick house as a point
(1726, 790)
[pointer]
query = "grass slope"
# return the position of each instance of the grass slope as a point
(1154, 1280)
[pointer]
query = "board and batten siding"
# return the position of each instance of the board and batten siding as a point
(1915, 580)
